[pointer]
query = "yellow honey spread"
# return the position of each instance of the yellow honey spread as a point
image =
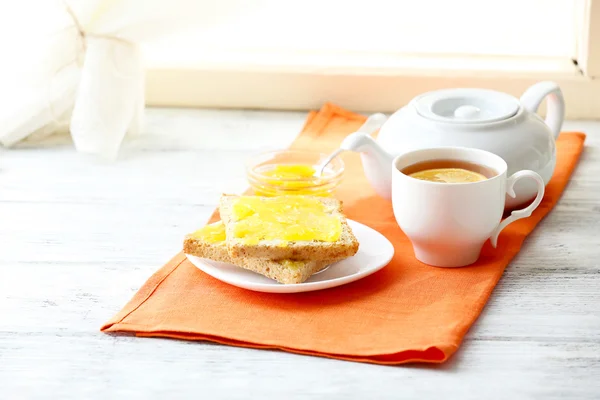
(284, 219)
(297, 179)
(291, 171)
(292, 264)
(212, 233)
(448, 175)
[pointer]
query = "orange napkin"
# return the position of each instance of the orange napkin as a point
(406, 312)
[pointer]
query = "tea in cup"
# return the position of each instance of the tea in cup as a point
(450, 200)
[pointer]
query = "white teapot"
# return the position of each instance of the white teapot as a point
(478, 118)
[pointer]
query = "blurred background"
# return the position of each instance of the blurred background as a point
(364, 55)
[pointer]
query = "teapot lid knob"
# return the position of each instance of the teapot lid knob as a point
(467, 112)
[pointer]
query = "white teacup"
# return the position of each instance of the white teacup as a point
(448, 223)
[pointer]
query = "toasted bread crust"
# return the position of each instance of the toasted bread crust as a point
(212, 251)
(276, 270)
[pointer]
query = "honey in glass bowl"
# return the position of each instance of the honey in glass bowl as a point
(293, 172)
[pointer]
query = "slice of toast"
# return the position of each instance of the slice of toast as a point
(283, 271)
(345, 246)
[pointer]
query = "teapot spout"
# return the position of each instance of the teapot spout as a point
(377, 163)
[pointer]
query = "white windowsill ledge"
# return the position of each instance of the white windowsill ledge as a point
(362, 82)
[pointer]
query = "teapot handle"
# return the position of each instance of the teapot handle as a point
(533, 97)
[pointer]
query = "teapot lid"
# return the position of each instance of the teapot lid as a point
(466, 106)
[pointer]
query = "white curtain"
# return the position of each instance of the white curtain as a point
(77, 64)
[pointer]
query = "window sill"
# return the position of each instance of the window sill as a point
(364, 82)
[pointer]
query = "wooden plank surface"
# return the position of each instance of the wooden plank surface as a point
(78, 237)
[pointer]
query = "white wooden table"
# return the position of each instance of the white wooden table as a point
(79, 237)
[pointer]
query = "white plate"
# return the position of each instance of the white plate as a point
(374, 253)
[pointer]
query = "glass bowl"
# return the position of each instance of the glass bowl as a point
(286, 172)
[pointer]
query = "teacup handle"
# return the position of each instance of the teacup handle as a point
(525, 212)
